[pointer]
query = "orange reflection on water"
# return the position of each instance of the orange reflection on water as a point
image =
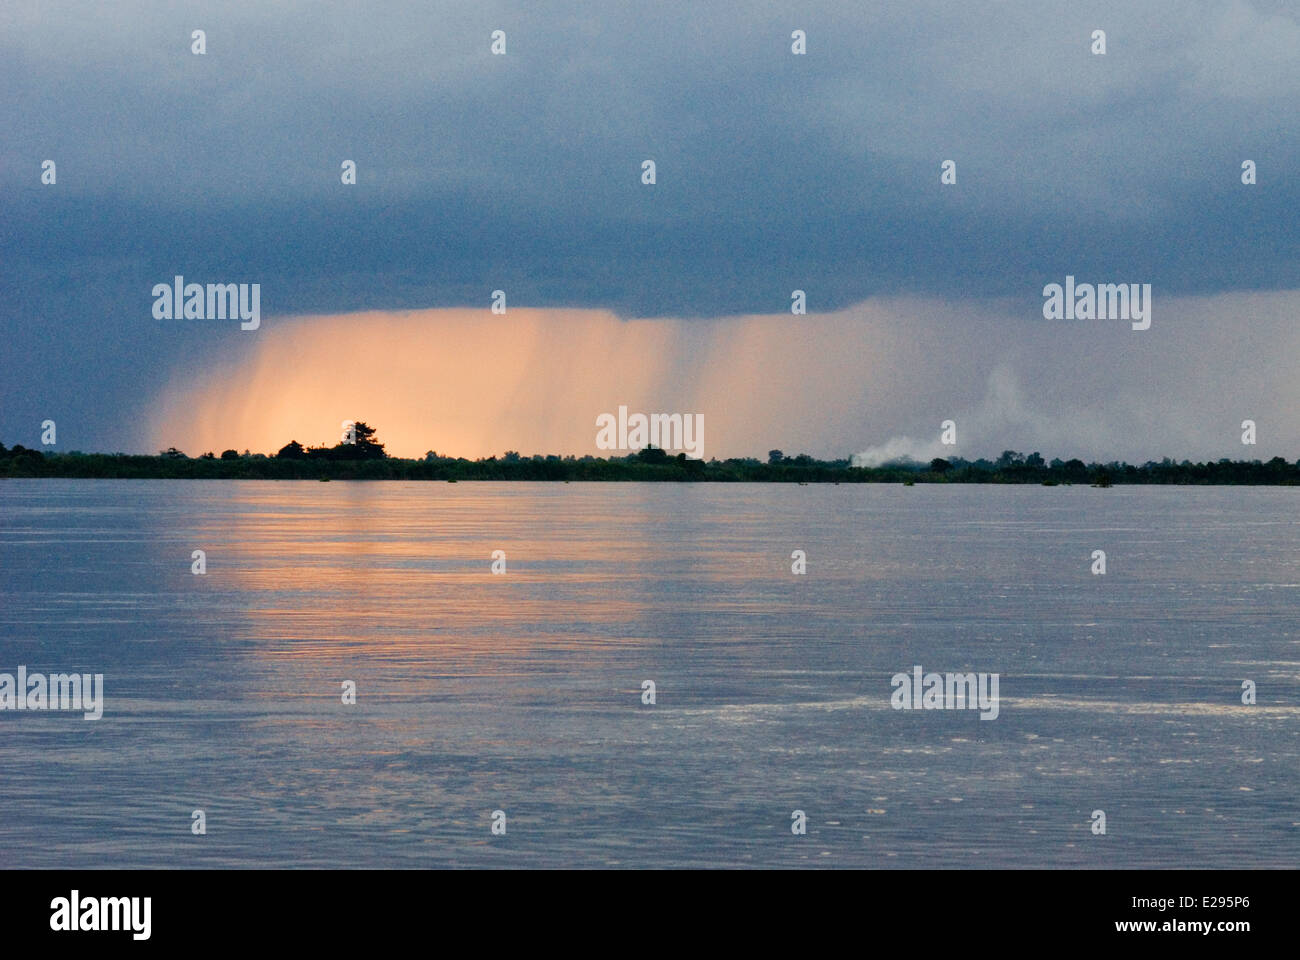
(401, 571)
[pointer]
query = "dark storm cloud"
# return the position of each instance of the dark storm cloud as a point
(522, 172)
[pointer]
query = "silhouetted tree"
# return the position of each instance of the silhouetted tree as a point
(365, 447)
(1010, 458)
(291, 451)
(368, 448)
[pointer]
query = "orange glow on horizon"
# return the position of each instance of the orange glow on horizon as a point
(472, 384)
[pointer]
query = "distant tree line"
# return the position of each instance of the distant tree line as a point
(366, 459)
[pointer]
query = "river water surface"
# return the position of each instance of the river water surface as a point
(522, 692)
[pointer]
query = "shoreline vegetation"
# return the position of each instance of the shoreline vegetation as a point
(366, 459)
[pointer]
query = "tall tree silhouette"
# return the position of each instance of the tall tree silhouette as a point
(367, 447)
(364, 447)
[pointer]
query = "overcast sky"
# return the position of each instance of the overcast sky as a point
(774, 172)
